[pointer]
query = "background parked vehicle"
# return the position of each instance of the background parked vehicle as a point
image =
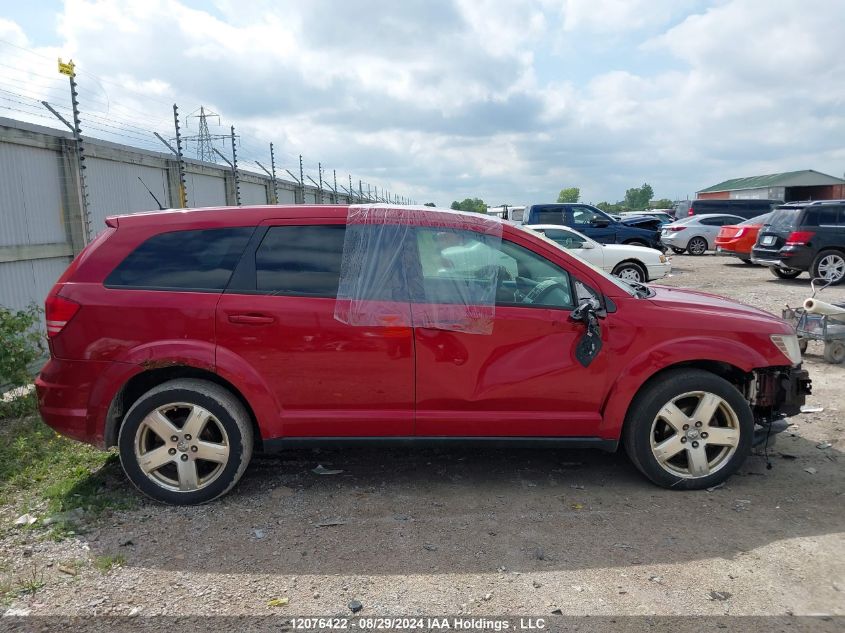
(804, 236)
(632, 263)
(662, 215)
(596, 224)
(696, 234)
(739, 239)
(745, 209)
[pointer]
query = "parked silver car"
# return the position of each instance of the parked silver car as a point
(697, 233)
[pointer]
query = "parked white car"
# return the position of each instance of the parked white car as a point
(632, 263)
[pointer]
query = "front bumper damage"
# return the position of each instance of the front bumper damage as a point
(774, 394)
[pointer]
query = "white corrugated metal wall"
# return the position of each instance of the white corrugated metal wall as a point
(253, 193)
(205, 191)
(114, 188)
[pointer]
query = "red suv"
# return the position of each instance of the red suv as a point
(188, 339)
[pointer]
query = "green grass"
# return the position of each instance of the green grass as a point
(105, 563)
(44, 473)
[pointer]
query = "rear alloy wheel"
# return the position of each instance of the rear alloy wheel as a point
(830, 266)
(185, 442)
(785, 273)
(690, 430)
(697, 246)
(631, 271)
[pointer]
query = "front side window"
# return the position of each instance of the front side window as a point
(201, 260)
(585, 216)
(456, 265)
(567, 239)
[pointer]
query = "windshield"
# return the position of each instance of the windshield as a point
(614, 280)
(760, 219)
(784, 219)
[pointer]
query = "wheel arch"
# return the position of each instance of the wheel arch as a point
(141, 382)
(735, 364)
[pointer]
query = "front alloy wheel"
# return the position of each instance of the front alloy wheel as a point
(694, 434)
(688, 429)
(629, 271)
(830, 265)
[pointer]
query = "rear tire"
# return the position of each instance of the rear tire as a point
(697, 246)
(830, 266)
(186, 442)
(745, 260)
(688, 430)
(834, 352)
(785, 273)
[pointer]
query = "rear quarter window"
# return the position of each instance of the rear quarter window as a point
(201, 260)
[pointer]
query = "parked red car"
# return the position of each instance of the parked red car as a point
(191, 338)
(739, 239)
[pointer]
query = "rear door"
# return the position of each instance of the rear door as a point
(523, 378)
(328, 378)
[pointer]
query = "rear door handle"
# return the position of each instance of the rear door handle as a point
(251, 319)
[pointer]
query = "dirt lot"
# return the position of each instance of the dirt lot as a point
(480, 532)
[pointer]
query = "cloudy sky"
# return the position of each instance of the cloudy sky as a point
(507, 100)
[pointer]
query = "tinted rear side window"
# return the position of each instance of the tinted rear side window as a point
(183, 260)
(300, 260)
(822, 216)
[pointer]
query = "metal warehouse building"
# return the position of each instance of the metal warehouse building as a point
(788, 186)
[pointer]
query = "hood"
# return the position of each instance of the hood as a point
(703, 302)
(642, 222)
(644, 251)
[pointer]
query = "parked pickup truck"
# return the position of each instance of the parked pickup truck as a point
(598, 225)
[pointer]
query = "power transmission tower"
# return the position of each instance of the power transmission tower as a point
(204, 139)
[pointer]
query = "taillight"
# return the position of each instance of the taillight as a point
(799, 238)
(740, 232)
(675, 229)
(691, 211)
(58, 312)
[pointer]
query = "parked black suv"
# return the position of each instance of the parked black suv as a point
(804, 236)
(743, 208)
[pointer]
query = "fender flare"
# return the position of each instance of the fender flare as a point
(676, 352)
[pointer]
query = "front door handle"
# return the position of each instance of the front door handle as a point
(251, 319)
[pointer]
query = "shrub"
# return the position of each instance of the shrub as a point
(21, 345)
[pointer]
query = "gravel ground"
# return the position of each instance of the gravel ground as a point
(484, 532)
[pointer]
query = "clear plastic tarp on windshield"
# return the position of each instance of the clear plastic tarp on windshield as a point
(417, 267)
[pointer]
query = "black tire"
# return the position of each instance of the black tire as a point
(830, 266)
(678, 251)
(697, 246)
(785, 273)
(645, 420)
(228, 428)
(834, 352)
(802, 345)
(745, 260)
(631, 270)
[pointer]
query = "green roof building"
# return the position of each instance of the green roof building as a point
(788, 186)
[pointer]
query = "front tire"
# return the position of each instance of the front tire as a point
(830, 266)
(678, 251)
(785, 273)
(689, 430)
(186, 442)
(631, 271)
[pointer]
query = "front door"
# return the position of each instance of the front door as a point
(592, 223)
(329, 378)
(522, 379)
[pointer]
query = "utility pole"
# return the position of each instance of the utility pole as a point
(183, 194)
(235, 169)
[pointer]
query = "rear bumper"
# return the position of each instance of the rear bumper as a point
(73, 397)
(788, 258)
